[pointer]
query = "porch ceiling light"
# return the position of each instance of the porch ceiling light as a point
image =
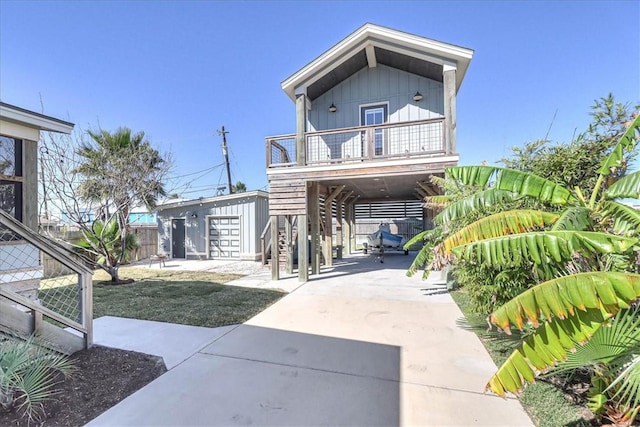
(333, 108)
(417, 97)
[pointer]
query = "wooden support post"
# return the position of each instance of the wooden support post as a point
(30, 184)
(348, 213)
(275, 252)
(449, 84)
(301, 127)
(340, 223)
(87, 307)
(339, 238)
(288, 233)
(328, 224)
(314, 220)
(303, 249)
(37, 323)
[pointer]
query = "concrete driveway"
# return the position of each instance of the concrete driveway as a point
(358, 345)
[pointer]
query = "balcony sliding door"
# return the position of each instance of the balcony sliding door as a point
(371, 115)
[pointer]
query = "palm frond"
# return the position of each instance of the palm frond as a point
(608, 343)
(629, 383)
(545, 347)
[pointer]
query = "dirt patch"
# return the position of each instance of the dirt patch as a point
(103, 377)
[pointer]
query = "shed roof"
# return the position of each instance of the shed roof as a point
(170, 204)
(33, 120)
(370, 45)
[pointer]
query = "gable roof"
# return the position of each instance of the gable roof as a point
(370, 45)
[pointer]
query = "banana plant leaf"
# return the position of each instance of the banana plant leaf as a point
(496, 225)
(627, 142)
(626, 187)
(541, 247)
(625, 218)
(439, 200)
(560, 297)
(481, 199)
(521, 183)
(576, 218)
(548, 345)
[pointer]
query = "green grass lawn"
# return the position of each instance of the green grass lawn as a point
(545, 403)
(190, 298)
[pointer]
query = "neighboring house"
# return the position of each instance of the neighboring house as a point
(222, 227)
(20, 268)
(139, 216)
(375, 119)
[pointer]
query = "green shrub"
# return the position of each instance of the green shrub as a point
(28, 375)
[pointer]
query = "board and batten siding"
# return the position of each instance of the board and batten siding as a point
(252, 210)
(381, 84)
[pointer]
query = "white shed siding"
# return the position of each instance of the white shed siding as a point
(251, 209)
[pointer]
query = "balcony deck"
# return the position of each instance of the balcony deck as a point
(390, 141)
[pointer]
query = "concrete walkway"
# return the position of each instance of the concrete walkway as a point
(358, 345)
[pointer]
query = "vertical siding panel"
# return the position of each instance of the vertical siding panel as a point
(253, 211)
(373, 85)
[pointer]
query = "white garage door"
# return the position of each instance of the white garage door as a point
(224, 237)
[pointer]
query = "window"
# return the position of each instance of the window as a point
(375, 115)
(11, 176)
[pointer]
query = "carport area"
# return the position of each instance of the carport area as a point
(359, 345)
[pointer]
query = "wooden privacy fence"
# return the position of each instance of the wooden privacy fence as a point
(147, 238)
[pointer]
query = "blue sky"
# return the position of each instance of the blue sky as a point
(180, 70)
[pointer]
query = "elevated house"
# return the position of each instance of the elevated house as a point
(375, 118)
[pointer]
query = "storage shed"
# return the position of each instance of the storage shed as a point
(221, 227)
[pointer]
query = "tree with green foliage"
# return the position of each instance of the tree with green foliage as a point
(96, 181)
(582, 254)
(572, 164)
(568, 164)
(239, 187)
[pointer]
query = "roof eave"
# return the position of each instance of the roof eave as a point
(380, 37)
(192, 202)
(32, 119)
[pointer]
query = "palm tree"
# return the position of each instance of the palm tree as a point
(239, 187)
(583, 251)
(120, 170)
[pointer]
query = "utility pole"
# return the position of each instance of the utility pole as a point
(225, 153)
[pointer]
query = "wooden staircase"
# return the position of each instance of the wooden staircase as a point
(59, 309)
